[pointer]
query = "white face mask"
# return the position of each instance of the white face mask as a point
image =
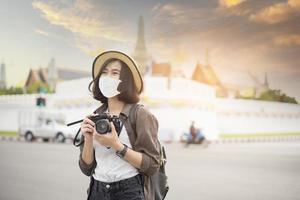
(109, 86)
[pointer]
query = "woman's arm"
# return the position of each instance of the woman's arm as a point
(131, 156)
(86, 158)
(112, 140)
(145, 155)
(146, 140)
(88, 152)
(85, 165)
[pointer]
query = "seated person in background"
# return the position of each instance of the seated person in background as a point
(195, 135)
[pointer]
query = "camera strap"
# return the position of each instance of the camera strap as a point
(122, 119)
(102, 108)
(75, 139)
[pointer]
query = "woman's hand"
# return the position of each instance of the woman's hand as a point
(109, 139)
(87, 129)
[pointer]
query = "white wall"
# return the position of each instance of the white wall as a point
(175, 113)
(252, 116)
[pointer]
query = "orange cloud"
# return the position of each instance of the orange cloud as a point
(174, 13)
(232, 7)
(72, 21)
(229, 3)
(288, 40)
(278, 12)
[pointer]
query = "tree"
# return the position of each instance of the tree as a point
(38, 87)
(11, 90)
(276, 95)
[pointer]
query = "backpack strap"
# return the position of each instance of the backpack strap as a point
(133, 115)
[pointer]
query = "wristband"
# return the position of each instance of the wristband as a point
(122, 153)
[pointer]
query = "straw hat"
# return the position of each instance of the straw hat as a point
(100, 60)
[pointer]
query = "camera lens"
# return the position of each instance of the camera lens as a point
(102, 126)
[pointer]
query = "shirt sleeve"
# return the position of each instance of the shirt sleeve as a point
(147, 141)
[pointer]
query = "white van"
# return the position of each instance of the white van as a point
(45, 124)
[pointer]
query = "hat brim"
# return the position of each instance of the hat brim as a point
(100, 60)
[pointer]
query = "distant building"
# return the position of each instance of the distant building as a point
(2, 76)
(161, 69)
(140, 54)
(252, 86)
(258, 85)
(52, 75)
(70, 74)
(206, 74)
(36, 75)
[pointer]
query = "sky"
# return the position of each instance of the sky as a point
(240, 36)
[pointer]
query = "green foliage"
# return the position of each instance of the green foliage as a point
(8, 133)
(276, 95)
(271, 95)
(11, 90)
(38, 87)
(34, 88)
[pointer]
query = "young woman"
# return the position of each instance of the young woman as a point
(119, 164)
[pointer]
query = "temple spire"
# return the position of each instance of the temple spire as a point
(266, 83)
(140, 54)
(2, 76)
(52, 74)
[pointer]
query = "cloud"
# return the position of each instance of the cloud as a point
(277, 13)
(179, 32)
(172, 13)
(229, 3)
(288, 40)
(41, 32)
(178, 14)
(76, 19)
(199, 29)
(96, 52)
(91, 25)
(45, 33)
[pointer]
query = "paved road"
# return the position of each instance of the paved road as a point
(261, 171)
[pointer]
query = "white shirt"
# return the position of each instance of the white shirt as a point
(110, 167)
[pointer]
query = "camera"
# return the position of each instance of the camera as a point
(102, 123)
